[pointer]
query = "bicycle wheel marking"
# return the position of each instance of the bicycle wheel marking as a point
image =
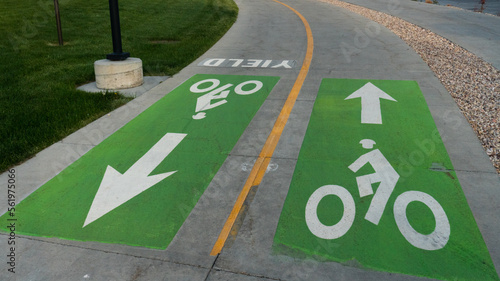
(372, 146)
(138, 186)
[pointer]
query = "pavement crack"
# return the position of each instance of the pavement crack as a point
(114, 252)
(247, 274)
(212, 268)
(476, 172)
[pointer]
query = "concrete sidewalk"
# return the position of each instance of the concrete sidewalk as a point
(476, 32)
(267, 30)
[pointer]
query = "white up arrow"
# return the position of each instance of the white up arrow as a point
(116, 189)
(370, 103)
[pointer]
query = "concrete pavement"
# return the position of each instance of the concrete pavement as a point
(267, 30)
(476, 32)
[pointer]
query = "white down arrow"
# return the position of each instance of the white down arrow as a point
(116, 189)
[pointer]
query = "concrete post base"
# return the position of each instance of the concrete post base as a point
(115, 75)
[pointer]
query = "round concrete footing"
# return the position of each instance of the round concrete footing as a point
(115, 75)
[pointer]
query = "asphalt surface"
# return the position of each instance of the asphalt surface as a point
(268, 30)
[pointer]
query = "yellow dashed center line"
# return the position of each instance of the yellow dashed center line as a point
(260, 166)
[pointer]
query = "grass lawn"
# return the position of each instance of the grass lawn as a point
(39, 104)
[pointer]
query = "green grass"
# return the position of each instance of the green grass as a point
(39, 103)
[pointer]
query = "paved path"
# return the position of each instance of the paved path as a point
(490, 7)
(477, 33)
(265, 30)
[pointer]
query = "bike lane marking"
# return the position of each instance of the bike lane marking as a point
(259, 168)
(374, 187)
(139, 185)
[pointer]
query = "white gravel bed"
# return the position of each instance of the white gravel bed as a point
(472, 82)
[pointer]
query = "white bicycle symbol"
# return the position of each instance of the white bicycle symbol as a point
(387, 177)
(204, 102)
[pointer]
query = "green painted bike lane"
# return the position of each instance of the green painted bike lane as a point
(374, 187)
(139, 185)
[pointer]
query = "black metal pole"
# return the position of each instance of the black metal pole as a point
(117, 54)
(58, 22)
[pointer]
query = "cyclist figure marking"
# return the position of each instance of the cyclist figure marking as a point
(384, 173)
(388, 178)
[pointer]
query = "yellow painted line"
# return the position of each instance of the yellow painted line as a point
(260, 166)
(262, 170)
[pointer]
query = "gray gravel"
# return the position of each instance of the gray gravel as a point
(471, 81)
